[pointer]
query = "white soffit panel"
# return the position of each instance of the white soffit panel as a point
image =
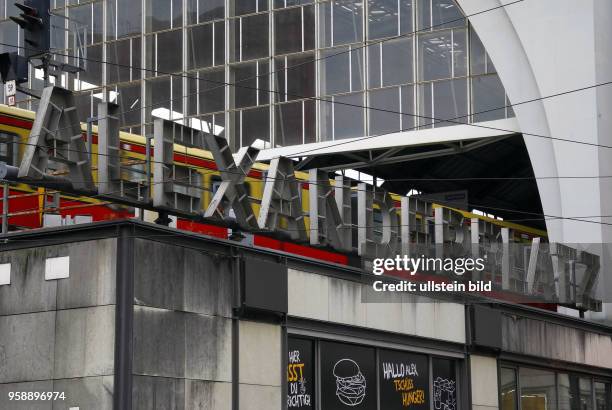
(57, 268)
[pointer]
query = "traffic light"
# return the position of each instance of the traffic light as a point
(35, 21)
(13, 67)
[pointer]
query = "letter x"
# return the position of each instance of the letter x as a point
(232, 188)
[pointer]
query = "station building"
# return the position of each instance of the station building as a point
(131, 315)
(429, 89)
(420, 95)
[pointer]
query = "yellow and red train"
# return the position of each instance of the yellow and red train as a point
(28, 204)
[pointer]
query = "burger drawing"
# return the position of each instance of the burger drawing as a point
(350, 383)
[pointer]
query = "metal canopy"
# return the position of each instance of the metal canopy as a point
(435, 160)
(503, 159)
(397, 140)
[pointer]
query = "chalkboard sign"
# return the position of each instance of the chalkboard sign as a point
(300, 374)
(444, 376)
(348, 377)
(404, 381)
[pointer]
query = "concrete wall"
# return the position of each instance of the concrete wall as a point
(318, 297)
(182, 328)
(58, 335)
(485, 392)
(260, 366)
(548, 340)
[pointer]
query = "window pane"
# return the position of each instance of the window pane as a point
(381, 122)
(251, 81)
(309, 27)
(586, 394)
(291, 120)
(159, 15)
(443, 100)
(460, 53)
(288, 29)
(479, 59)
(444, 376)
(219, 43)
(163, 14)
(125, 20)
(251, 37)
(333, 73)
(159, 96)
(296, 79)
(87, 18)
(9, 32)
(245, 75)
(438, 14)
(374, 67)
(385, 21)
(603, 396)
(170, 62)
(288, 3)
(348, 119)
(347, 24)
(93, 74)
(212, 91)
(397, 61)
(199, 11)
(249, 6)
(289, 127)
(409, 112)
(121, 55)
(435, 56)
(508, 389)
(200, 46)
(564, 389)
(538, 390)
(128, 98)
(488, 93)
(58, 31)
(255, 125)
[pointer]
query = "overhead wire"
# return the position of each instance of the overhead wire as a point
(436, 119)
(223, 84)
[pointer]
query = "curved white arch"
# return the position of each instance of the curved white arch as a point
(505, 48)
(541, 48)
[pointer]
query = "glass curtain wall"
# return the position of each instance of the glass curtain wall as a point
(526, 388)
(372, 66)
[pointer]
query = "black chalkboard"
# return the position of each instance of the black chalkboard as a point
(348, 377)
(404, 381)
(300, 374)
(444, 378)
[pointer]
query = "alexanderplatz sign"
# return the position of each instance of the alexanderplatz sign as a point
(56, 137)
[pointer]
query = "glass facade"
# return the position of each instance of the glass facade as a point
(374, 66)
(526, 388)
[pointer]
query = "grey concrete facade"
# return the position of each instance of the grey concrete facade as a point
(149, 318)
(59, 335)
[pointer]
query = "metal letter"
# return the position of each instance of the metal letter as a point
(533, 262)
(56, 136)
(281, 200)
(369, 247)
(176, 187)
(232, 192)
(325, 219)
(342, 194)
